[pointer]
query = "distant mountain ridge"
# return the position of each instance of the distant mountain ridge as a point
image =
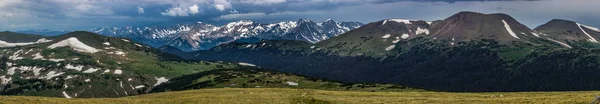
(199, 36)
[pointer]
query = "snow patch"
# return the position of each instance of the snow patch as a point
(5, 80)
(396, 41)
(66, 95)
(38, 56)
(106, 43)
(246, 64)
(591, 38)
(422, 31)
(91, 70)
(16, 55)
(118, 71)
(125, 40)
(590, 27)
(386, 36)
(160, 80)
(561, 43)
(139, 86)
(510, 31)
(78, 67)
(535, 34)
(56, 60)
(34, 69)
(52, 74)
(87, 80)
(6, 44)
(292, 83)
(70, 76)
(404, 36)
(390, 47)
(75, 44)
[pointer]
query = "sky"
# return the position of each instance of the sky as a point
(16, 15)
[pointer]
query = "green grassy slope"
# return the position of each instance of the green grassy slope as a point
(308, 96)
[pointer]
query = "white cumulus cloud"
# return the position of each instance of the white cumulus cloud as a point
(194, 9)
(221, 5)
(140, 10)
(182, 11)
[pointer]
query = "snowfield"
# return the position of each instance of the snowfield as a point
(5, 80)
(6, 44)
(422, 31)
(246, 64)
(118, 71)
(561, 43)
(66, 95)
(592, 39)
(52, 74)
(390, 48)
(75, 44)
(404, 36)
(292, 83)
(91, 70)
(510, 31)
(78, 67)
(160, 80)
(386, 36)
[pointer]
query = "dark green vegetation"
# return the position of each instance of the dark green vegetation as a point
(252, 77)
(468, 66)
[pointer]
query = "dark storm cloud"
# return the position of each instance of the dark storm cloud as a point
(85, 14)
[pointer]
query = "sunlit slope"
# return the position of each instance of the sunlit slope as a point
(288, 96)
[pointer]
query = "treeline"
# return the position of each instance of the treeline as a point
(470, 66)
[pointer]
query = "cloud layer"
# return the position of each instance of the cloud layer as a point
(85, 14)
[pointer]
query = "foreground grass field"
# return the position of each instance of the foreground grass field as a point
(306, 96)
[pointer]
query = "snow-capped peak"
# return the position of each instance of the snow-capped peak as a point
(329, 20)
(303, 20)
(190, 37)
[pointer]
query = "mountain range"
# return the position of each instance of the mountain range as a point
(201, 36)
(467, 51)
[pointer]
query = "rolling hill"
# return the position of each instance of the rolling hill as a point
(84, 64)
